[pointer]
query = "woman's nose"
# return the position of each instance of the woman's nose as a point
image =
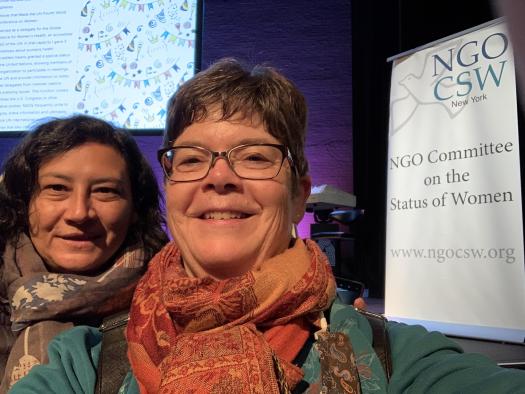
(221, 176)
(79, 208)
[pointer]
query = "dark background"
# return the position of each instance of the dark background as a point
(335, 51)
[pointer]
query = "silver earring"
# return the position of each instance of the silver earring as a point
(294, 231)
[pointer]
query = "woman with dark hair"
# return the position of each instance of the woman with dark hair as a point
(80, 217)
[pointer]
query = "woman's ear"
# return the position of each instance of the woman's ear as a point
(299, 200)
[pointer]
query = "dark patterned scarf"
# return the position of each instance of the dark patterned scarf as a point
(38, 304)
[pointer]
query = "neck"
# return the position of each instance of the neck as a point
(229, 269)
(196, 271)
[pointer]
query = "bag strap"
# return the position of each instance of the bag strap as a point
(380, 341)
(113, 364)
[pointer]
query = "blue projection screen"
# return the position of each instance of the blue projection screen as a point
(119, 60)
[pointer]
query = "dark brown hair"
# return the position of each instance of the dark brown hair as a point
(233, 90)
(20, 177)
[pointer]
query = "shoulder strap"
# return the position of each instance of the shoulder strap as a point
(113, 364)
(380, 341)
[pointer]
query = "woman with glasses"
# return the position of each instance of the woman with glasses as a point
(80, 218)
(236, 304)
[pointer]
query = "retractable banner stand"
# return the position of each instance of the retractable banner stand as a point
(454, 237)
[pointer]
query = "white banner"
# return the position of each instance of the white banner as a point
(454, 238)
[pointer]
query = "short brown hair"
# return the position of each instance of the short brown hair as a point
(233, 89)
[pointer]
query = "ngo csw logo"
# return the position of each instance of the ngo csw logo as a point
(475, 64)
(449, 76)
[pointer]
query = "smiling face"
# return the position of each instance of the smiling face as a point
(81, 211)
(225, 225)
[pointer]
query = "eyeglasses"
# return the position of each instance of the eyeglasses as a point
(250, 161)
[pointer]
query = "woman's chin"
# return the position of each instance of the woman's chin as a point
(230, 252)
(75, 264)
(223, 262)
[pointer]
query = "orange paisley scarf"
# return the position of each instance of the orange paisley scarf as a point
(235, 335)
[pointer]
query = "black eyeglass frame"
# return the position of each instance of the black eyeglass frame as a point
(286, 154)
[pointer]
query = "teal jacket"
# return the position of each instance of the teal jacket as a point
(422, 361)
